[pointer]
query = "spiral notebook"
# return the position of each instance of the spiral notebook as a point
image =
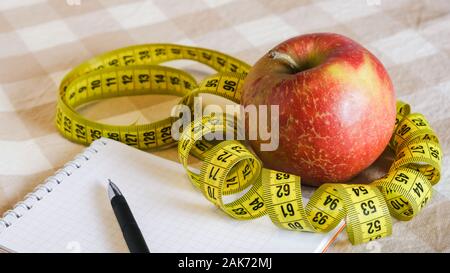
(70, 211)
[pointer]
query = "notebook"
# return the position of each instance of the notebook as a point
(71, 212)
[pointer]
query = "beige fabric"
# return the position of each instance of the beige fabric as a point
(41, 40)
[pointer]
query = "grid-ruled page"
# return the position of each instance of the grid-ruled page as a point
(172, 214)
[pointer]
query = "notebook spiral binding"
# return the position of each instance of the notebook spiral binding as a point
(12, 215)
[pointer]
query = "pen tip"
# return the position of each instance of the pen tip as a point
(113, 190)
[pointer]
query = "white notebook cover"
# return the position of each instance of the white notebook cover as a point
(76, 215)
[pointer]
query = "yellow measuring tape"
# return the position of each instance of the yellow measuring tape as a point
(229, 167)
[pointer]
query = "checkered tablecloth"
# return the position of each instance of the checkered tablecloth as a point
(41, 40)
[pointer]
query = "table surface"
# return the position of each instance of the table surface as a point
(41, 40)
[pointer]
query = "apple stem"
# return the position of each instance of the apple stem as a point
(284, 58)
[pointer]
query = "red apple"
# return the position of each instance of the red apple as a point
(336, 104)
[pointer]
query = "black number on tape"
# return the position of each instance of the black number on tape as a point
(114, 136)
(95, 134)
(206, 56)
(187, 85)
(166, 134)
(110, 81)
(128, 59)
(174, 80)
(375, 238)
(332, 201)
(149, 138)
(256, 204)
(417, 149)
(238, 149)
(434, 152)
(185, 143)
(213, 173)
(231, 181)
(401, 177)
(212, 192)
(283, 190)
(159, 78)
(144, 54)
(229, 85)
(233, 67)
(280, 176)
(374, 226)
(246, 171)
(398, 203)
(160, 51)
(424, 202)
(239, 211)
(80, 131)
(67, 125)
(418, 189)
(320, 218)
(287, 210)
(95, 84)
(175, 51)
(295, 225)
(201, 146)
(126, 79)
(224, 156)
(192, 53)
(221, 61)
(401, 155)
(360, 190)
(419, 122)
(144, 78)
(408, 212)
(113, 62)
(212, 83)
(404, 129)
(130, 139)
(368, 207)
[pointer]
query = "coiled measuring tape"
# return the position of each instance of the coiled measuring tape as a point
(229, 167)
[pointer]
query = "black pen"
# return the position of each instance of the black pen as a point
(130, 230)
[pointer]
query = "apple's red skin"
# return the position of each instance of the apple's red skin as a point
(335, 118)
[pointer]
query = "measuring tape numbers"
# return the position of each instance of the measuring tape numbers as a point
(229, 167)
